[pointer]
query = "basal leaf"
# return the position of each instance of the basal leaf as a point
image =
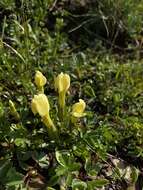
(78, 184)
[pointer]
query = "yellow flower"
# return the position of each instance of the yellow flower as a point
(62, 82)
(40, 79)
(40, 105)
(78, 109)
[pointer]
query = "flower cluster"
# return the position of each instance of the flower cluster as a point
(40, 104)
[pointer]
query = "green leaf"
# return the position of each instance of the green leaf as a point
(50, 188)
(62, 158)
(61, 170)
(15, 182)
(53, 180)
(74, 166)
(78, 185)
(92, 168)
(21, 142)
(97, 183)
(42, 159)
(69, 179)
(134, 174)
(4, 168)
(14, 178)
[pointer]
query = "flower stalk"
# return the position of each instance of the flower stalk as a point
(52, 130)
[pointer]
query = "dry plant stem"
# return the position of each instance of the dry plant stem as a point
(52, 130)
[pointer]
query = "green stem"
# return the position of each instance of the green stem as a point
(74, 120)
(62, 97)
(61, 109)
(41, 90)
(52, 130)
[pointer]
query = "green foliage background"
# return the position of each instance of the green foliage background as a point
(100, 46)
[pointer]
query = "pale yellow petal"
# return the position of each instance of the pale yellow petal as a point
(66, 82)
(78, 108)
(60, 82)
(76, 114)
(40, 105)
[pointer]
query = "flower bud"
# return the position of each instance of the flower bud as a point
(13, 110)
(40, 79)
(62, 82)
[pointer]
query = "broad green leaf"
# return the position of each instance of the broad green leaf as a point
(61, 170)
(14, 178)
(74, 166)
(62, 158)
(78, 185)
(134, 174)
(97, 183)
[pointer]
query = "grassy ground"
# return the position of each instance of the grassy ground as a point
(102, 53)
